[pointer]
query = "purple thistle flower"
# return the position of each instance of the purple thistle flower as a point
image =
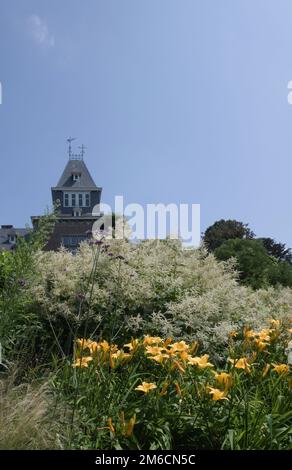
(21, 282)
(98, 242)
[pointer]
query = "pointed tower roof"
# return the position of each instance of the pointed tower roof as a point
(84, 180)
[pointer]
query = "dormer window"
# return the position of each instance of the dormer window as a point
(12, 238)
(76, 176)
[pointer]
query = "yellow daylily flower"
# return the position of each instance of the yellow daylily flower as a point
(275, 323)
(170, 352)
(152, 340)
(233, 334)
(94, 347)
(201, 362)
(146, 387)
(114, 348)
(84, 343)
(194, 347)
(158, 358)
(110, 425)
(264, 335)
(120, 354)
(167, 342)
(224, 379)
(241, 363)
(119, 357)
(132, 345)
(281, 368)
(184, 355)
(261, 345)
(177, 365)
(164, 389)
(266, 370)
(130, 426)
(105, 346)
(180, 346)
(154, 350)
(178, 389)
(247, 333)
(111, 361)
(217, 394)
(82, 361)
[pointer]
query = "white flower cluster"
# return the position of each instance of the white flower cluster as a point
(155, 287)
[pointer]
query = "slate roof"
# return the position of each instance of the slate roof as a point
(10, 230)
(85, 180)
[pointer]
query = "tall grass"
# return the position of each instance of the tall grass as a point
(27, 420)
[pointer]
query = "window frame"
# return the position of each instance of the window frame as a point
(78, 197)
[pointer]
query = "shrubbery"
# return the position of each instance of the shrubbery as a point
(112, 291)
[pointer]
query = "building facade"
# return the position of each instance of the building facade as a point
(75, 196)
(9, 236)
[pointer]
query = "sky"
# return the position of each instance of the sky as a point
(177, 101)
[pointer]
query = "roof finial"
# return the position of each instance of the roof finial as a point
(69, 140)
(82, 148)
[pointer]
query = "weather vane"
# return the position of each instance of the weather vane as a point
(82, 148)
(69, 140)
(75, 156)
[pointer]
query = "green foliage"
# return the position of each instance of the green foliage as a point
(253, 263)
(223, 230)
(277, 250)
(187, 405)
(256, 268)
(20, 325)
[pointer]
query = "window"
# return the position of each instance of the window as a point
(72, 241)
(66, 200)
(11, 238)
(76, 199)
(77, 213)
(76, 176)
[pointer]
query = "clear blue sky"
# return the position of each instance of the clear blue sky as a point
(179, 101)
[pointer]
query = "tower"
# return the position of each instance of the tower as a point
(75, 195)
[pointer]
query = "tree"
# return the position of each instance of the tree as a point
(256, 268)
(223, 230)
(278, 250)
(253, 262)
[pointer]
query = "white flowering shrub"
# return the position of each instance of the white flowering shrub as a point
(120, 289)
